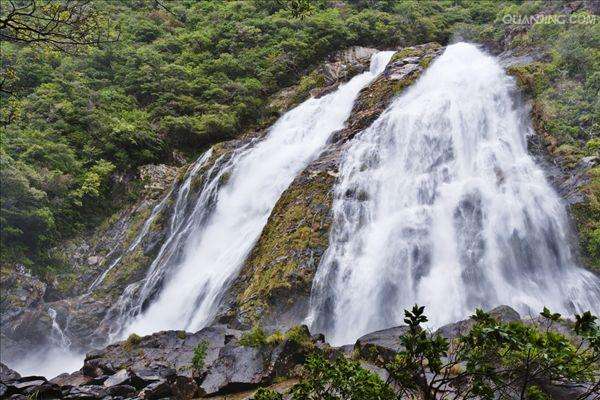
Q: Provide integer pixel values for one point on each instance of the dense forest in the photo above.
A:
(168, 79)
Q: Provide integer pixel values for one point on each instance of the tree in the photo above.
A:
(63, 24)
(494, 360)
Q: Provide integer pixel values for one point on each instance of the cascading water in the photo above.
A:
(54, 358)
(235, 202)
(438, 203)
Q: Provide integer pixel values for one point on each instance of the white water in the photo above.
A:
(137, 240)
(53, 359)
(215, 248)
(438, 203)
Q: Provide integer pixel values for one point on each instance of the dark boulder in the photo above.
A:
(381, 346)
(121, 390)
(7, 374)
(156, 390)
(185, 387)
(237, 368)
(500, 313)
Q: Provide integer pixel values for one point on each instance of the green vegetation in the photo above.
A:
(185, 75)
(199, 355)
(180, 77)
(256, 337)
(132, 341)
(493, 360)
(341, 379)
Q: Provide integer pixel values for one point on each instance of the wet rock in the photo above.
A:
(121, 377)
(501, 314)
(286, 356)
(184, 387)
(237, 368)
(91, 392)
(381, 346)
(74, 379)
(7, 374)
(46, 390)
(156, 390)
(121, 390)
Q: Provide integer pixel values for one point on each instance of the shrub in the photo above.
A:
(267, 394)
(132, 341)
(199, 355)
(275, 338)
(341, 379)
(255, 337)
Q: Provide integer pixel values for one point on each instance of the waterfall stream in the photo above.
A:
(209, 244)
(439, 203)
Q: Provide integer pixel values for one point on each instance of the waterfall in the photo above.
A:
(438, 203)
(182, 194)
(53, 358)
(185, 284)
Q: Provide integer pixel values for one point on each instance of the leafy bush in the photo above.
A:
(255, 337)
(199, 355)
(132, 341)
(267, 394)
(497, 357)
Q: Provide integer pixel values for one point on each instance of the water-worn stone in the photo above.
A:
(237, 368)
(7, 374)
(156, 390)
(381, 346)
(455, 329)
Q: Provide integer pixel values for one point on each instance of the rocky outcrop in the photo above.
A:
(24, 321)
(338, 68)
(274, 284)
(172, 364)
(7, 374)
(219, 362)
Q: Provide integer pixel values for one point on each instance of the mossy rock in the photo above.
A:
(283, 260)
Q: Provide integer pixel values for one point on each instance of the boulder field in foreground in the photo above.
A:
(230, 363)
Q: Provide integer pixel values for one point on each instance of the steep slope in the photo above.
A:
(274, 285)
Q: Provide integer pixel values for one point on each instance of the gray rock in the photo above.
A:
(237, 368)
(121, 377)
(7, 374)
(121, 390)
(500, 313)
(381, 346)
(74, 379)
(91, 392)
(156, 390)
